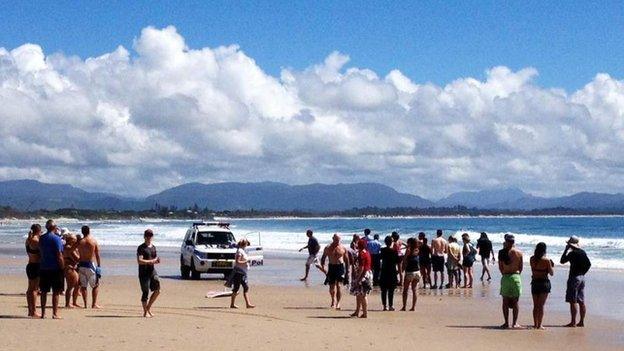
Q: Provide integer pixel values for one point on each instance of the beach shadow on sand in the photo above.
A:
(330, 317)
(112, 316)
(13, 294)
(485, 327)
(177, 277)
(8, 316)
(212, 308)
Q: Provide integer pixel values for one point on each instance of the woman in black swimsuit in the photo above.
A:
(32, 268)
(541, 268)
(424, 256)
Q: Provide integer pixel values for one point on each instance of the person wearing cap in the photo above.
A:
(510, 266)
(148, 278)
(575, 292)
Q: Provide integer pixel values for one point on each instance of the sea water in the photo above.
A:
(601, 236)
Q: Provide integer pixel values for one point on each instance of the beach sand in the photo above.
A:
(287, 318)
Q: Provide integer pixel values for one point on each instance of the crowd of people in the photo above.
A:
(366, 263)
(58, 257)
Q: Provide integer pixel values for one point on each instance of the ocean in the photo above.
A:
(601, 237)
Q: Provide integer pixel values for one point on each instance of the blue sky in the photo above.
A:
(568, 42)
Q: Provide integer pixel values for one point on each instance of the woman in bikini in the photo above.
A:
(541, 268)
(411, 267)
(71, 256)
(32, 268)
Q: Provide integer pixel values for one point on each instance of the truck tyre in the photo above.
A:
(195, 275)
(185, 271)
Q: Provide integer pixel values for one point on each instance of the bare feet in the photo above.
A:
(403, 308)
(570, 325)
(538, 328)
(354, 314)
(96, 307)
(69, 306)
(391, 309)
(54, 316)
(413, 309)
(233, 306)
(338, 308)
(517, 326)
(251, 306)
(303, 279)
(385, 308)
(504, 326)
(149, 314)
(36, 315)
(364, 315)
(76, 305)
(580, 324)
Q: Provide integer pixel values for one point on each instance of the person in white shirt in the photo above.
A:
(239, 277)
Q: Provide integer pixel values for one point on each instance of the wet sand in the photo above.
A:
(289, 315)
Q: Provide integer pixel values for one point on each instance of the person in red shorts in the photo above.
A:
(363, 282)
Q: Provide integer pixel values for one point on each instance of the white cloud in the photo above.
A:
(168, 114)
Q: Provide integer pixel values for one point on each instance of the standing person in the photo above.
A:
(424, 257)
(541, 268)
(32, 269)
(241, 266)
(398, 244)
(337, 269)
(89, 274)
(510, 266)
(575, 291)
(486, 251)
(390, 267)
(71, 256)
(439, 246)
(51, 270)
(411, 268)
(363, 280)
(313, 247)
(147, 257)
(470, 255)
(374, 248)
(453, 262)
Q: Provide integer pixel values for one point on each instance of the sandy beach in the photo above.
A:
(288, 316)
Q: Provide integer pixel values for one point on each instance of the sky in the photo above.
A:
(427, 97)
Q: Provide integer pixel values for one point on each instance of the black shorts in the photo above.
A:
(51, 280)
(239, 279)
(335, 274)
(468, 262)
(437, 263)
(150, 282)
(540, 286)
(32, 271)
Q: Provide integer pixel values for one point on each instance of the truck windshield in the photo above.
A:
(214, 238)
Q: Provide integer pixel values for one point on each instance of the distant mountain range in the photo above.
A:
(30, 195)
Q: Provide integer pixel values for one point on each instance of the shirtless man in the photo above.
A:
(439, 246)
(510, 265)
(89, 274)
(337, 269)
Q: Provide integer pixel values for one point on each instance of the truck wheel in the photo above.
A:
(195, 275)
(185, 271)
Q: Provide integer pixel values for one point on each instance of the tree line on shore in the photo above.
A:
(194, 212)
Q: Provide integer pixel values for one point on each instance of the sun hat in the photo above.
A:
(573, 241)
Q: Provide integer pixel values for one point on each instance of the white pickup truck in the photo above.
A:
(210, 247)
